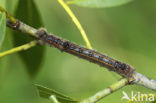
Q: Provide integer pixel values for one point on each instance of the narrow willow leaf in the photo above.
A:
(27, 12)
(2, 27)
(46, 93)
(98, 3)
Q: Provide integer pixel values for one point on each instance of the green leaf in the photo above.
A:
(98, 3)
(2, 27)
(46, 93)
(3, 2)
(28, 13)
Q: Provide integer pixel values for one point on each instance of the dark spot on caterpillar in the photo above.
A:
(66, 45)
(123, 66)
(72, 47)
(100, 58)
(57, 41)
(119, 65)
(116, 64)
(90, 54)
(49, 38)
(80, 50)
(109, 62)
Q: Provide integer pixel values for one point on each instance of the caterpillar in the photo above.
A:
(122, 69)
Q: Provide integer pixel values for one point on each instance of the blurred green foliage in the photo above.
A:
(2, 27)
(27, 12)
(126, 33)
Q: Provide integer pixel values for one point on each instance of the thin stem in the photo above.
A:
(11, 18)
(99, 95)
(77, 23)
(20, 48)
(54, 99)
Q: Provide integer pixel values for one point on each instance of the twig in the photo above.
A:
(77, 23)
(99, 95)
(144, 81)
(54, 99)
(19, 26)
(11, 18)
(20, 48)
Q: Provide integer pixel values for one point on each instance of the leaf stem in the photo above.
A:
(11, 18)
(20, 48)
(54, 99)
(99, 95)
(77, 23)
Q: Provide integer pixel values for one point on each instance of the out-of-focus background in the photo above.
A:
(127, 33)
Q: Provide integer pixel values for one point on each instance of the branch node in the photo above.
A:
(41, 33)
(130, 80)
(15, 25)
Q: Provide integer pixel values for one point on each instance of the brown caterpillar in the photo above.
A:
(91, 55)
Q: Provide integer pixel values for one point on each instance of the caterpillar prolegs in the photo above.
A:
(123, 69)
